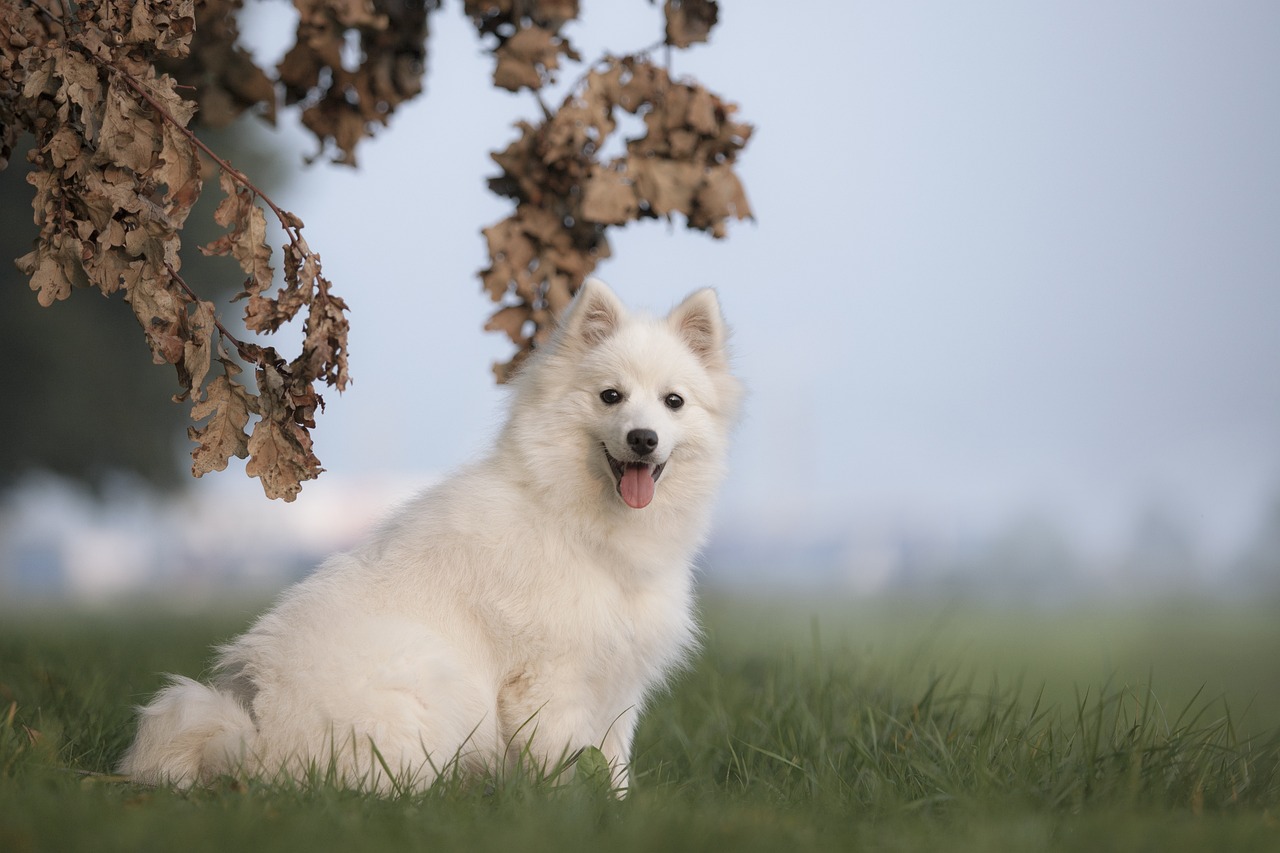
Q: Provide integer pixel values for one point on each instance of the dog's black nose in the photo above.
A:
(642, 441)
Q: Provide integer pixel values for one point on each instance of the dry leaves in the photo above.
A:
(225, 411)
(690, 21)
(566, 196)
(529, 44)
(343, 99)
(116, 174)
(225, 79)
(352, 63)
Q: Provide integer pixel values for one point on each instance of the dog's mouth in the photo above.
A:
(637, 481)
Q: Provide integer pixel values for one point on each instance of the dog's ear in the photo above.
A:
(698, 322)
(593, 315)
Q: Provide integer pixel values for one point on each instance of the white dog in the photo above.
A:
(516, 613)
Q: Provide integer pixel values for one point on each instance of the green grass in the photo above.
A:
(880, 726)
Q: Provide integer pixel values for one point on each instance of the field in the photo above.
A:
(885, 725)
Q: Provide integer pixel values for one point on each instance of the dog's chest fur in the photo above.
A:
(595, 645)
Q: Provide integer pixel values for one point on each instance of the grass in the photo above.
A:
(883, 726)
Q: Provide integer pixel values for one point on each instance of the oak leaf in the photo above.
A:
(55, 268)
(512, 320)
(162, 314)
(700, 112)
(720, 197)
(79, 86)
(528, 58)
(64, 147)
(246, 241)
(324, 349)
(278, 458)
(197, 349)
(179, 171)
(227, 407)
(689, 21)
(609, 196)
(279, 448)
(128, 138)
(666, 185)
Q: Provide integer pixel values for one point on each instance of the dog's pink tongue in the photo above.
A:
(637, 486)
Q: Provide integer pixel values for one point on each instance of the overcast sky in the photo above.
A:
(1009, 258)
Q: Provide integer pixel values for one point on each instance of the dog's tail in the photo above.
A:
(190, 733)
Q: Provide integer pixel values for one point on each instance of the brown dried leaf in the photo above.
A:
(302, 278)
(109, 193)
(553, 14)
(344, 103)
(64, 148)
(492, 16)
(161, 311)
(558, 295)
(700, 113)
(508, 242)
(721, 196)
(79, 86)
(497, 279)
(227, 406)
(55, 268)
(246, 241)
(667, 185)
(165, 25)
(512, 320)
(528, 58)
(643, 85)
(324, 350)
(280, 447)
(223, 74)
(112, 270)
(128, 130)
(689, 21)
(609, 197)
(197, 350)
(513, 73)
(179, 171)
(280, 458)
(335, 119)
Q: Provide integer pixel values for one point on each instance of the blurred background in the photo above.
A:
(1009, 315)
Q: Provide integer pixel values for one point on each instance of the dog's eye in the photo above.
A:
(674, 401)
(611, 396)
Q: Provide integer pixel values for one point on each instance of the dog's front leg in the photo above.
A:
(544, 722)
(617, 748)
(547, 744)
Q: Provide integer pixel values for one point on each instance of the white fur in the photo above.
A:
(515, 613)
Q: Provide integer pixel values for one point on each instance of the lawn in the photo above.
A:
(841, 725)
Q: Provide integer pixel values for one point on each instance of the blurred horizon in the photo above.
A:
(62, 542)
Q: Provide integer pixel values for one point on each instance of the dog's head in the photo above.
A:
(649, 400)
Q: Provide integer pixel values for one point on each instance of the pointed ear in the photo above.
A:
(594, 314)
(700, 325)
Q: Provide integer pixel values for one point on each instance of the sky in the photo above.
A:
(1008, 259)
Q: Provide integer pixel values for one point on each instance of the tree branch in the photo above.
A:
(240, 346)
(288, 221)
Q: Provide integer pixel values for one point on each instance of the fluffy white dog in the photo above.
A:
(523, 609)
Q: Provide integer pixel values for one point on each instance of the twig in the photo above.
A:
(286, 219)
(547, 113)
(222, 330)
